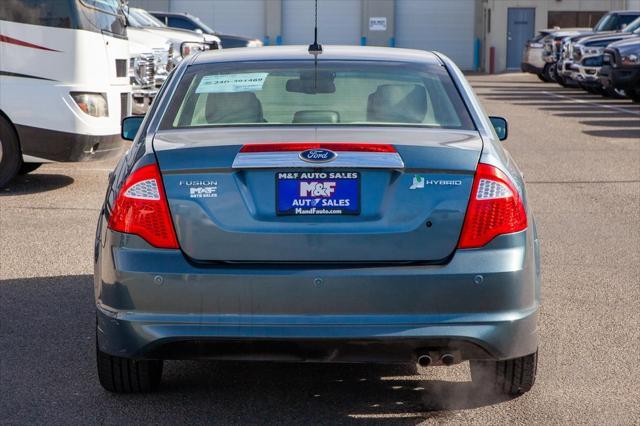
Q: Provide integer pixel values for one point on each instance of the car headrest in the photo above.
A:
(240, 107)
(398, 103)
(316, 116)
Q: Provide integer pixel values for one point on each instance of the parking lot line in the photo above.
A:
(582, 101)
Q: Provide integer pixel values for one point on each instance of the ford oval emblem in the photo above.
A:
(318, 155)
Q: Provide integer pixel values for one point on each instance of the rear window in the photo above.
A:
(307, 93)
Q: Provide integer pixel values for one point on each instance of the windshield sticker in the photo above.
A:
(232, 83)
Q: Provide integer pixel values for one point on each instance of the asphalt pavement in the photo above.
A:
(580, 155)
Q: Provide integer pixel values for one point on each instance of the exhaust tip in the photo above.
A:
(447, 359)
(424, 360)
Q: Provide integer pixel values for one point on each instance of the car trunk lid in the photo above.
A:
(225, 204)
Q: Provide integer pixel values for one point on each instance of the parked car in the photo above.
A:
(193, 23)
(355, 207)
(151, 60)
(552, 50)
(621, 67)
(532, 60)
(612, 22)
(588, 55)
(155, 51)
(563, 67)
(616, 20)
(191, 41)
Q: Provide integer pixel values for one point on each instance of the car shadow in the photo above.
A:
(591, 114)
(635, 123)
(620, 134)
(34, 183)
(47, 350)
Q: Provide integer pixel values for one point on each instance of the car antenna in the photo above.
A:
(315, 48)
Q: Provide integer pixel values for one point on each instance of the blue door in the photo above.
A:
(520, 28)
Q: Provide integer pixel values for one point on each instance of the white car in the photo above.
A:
(155, 51)
(149, 64)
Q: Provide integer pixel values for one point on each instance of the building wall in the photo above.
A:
(244, 17)
(443, 25)
(497, 38)
(160, 5)
(452, 26)
(338, 21)
(446, 25)
(377, 36)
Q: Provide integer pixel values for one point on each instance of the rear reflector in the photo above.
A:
(302, 146)
(141, 209)
(495, 208)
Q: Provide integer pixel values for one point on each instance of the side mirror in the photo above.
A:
(130, 127)
(189, 47)
(501, 126)
(199, 31)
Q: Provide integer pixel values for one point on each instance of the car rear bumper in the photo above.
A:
(529, 68)
(483, 304)
(532, 60)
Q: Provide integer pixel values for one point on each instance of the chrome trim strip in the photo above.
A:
(290, 159)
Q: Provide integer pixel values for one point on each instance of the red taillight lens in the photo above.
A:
(495, 208)
(301, 146)
(141, 208)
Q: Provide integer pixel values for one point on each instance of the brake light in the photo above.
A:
(141, 209)
(303, 146)
(495, 208)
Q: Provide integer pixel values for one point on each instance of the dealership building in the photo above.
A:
(479, 35)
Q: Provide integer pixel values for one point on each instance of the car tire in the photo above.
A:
(124, 375)
(510, 377)
(559, 78)
(548, 72)
(28, 168)
(542, 78)
(10, 155)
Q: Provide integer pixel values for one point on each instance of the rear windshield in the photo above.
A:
(308, 93)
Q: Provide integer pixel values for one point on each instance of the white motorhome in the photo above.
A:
(64, 84)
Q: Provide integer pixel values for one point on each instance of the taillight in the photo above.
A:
(495, 208)
(302, 146)
(141, 209)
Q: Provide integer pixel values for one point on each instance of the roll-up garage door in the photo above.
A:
(338, 21)
(241, 17)
(443, 25)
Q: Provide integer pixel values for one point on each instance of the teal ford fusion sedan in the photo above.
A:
(349, 205)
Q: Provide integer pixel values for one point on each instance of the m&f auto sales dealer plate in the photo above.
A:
(318, 193)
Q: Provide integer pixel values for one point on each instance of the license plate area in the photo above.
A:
(317, 193)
